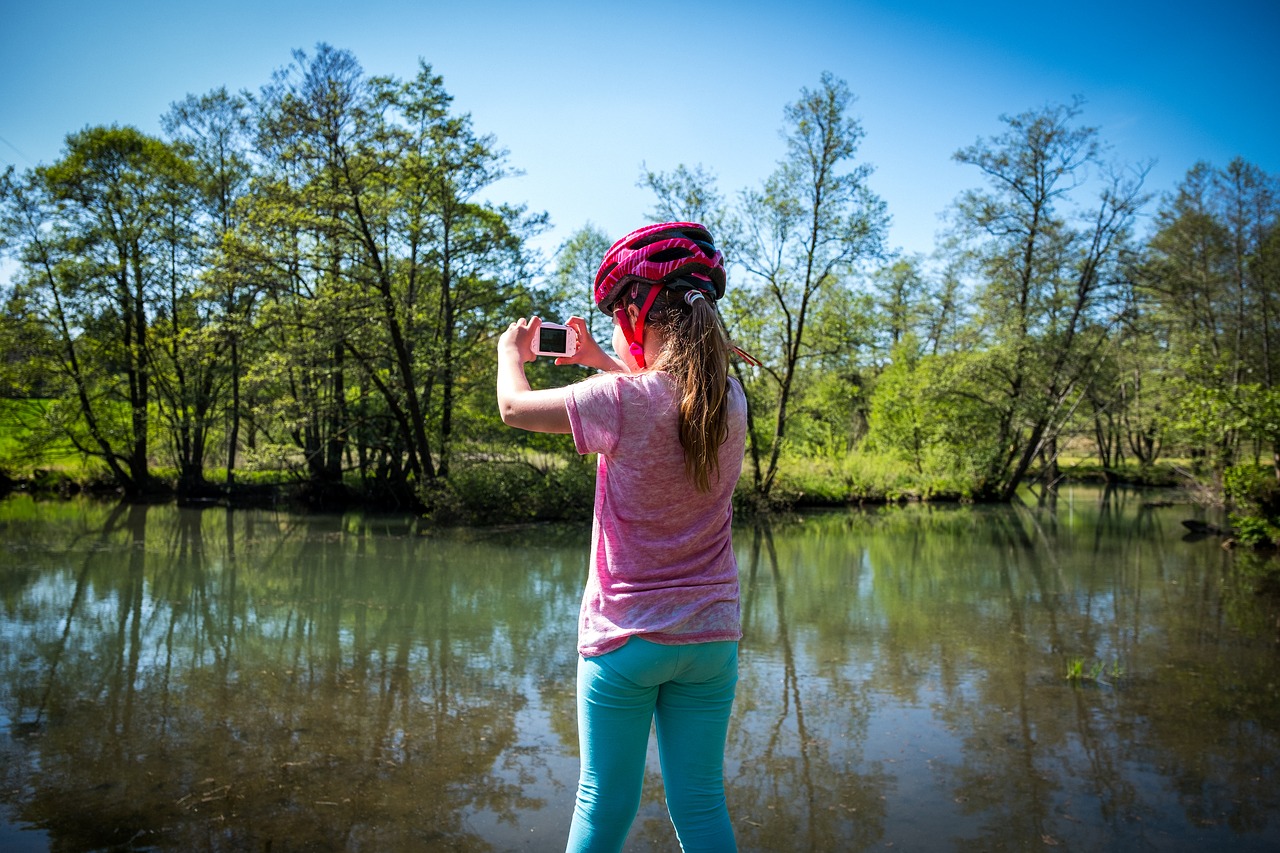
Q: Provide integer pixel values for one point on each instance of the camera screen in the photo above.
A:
(552, 340)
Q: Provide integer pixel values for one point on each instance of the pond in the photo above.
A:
(1081, 675)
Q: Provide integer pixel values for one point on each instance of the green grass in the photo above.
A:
(23, 446)
(860, 477)
(1088, 469)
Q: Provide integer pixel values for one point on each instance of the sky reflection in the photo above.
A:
(209, 681)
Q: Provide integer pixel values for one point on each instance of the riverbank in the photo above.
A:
(500, 492)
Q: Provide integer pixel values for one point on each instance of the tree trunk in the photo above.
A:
(233, 430)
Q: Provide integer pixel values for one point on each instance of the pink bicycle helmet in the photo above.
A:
(659, 253)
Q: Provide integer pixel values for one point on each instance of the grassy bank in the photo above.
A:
(1164, 473)
(29, 443)
(499, 488)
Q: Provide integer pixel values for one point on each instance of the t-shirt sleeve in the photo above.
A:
(594, 406)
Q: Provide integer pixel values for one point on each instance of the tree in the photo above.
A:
(1132, 402)
(687, 195)
(376, 201)
(94, 230)
(478, 258)
(947, 316)
(297, 233)
(319, 261)
(1211, 273)
(570, 291)
(799, 239)
(213, 130)
(28, 344)
(903, 420)
(1047, 271)
(901, 295)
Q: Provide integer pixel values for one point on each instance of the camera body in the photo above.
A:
(556, 340)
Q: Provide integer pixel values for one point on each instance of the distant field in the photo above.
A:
(19, 421)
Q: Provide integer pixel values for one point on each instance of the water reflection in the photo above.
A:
(180, 680)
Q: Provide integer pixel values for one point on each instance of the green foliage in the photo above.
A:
(513, 491)
(101, 238)
(1209, 279)
(829, 416)
(30, 439)
(307, 283)
(799, 238)
(927, 412)
(861, 477)
(1253, 491)
(901, 421)
(27, 347)
(570, 289)
(1098, 672)
(906, 311)
(1255, 531)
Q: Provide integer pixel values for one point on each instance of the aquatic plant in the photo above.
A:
(1098, 671)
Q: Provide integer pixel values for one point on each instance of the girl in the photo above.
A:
(660, 622)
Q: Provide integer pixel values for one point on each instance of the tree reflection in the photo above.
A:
(799, 721)
(974, 613)
(321, 700)
(221, 681)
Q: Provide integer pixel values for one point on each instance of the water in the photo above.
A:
(182, 680)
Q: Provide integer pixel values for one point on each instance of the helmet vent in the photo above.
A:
(675, 253)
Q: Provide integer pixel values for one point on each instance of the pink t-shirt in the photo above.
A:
(662, 559)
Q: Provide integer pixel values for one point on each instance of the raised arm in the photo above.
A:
(518, 403)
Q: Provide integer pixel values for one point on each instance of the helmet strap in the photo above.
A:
(635, 337)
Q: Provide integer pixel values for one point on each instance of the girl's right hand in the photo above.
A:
(519, 337)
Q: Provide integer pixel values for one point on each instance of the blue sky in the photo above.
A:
(582, 94)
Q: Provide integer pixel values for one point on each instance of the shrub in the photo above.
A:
(1253, 494)
(497, 492)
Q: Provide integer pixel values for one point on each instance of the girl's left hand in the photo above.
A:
(589, 353)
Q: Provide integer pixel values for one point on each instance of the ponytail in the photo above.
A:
(696, 353)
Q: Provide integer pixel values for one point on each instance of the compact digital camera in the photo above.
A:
(555, 339)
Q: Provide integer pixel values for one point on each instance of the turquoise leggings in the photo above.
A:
(687, 691)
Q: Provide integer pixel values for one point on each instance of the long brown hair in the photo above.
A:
(696, 353)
